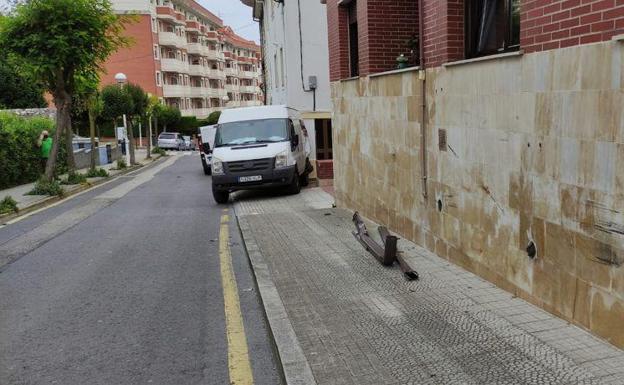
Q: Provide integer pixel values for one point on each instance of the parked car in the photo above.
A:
(206, 138)
(171, 141)
(188, 143)
(258, 147)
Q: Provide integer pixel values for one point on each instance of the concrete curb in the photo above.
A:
(53, 199)
(295, 366)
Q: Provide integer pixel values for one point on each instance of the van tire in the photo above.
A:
(305, 179)
(221, 197)
(207, 169)
(295, 185)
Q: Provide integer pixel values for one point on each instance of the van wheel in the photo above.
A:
(295, 185)
(221, 197)
(305, 179)
(207, 170)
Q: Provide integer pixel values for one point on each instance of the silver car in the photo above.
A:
(171, 141)
(189, 145)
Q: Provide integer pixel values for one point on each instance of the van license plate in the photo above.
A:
(253, 178)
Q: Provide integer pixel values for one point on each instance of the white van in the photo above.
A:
(258, 147)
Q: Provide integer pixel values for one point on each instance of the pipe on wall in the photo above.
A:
(423, 98)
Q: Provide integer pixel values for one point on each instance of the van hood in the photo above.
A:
(251, 151)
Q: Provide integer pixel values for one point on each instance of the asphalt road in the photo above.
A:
(122, 285)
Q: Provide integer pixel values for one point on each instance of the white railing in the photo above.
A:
(175, 91)
(173, 65)
(197, 70)
(171, 39)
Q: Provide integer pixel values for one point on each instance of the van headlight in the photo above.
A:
(281, 160)
(217, 166)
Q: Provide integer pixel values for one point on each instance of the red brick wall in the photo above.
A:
(338, 36)
(384, 27)
(136, 61)
(325, 169)
(389, 25)
(550, 24)
(444, 31)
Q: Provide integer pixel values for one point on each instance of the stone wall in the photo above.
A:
(534, 154)
(34, 112)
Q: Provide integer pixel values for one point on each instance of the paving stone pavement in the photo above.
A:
(358, 322)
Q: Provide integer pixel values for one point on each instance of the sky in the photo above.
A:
(236, 15)
(233, 12)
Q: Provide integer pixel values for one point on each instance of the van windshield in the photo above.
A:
(252, 131)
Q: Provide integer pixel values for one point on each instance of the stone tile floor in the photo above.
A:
(358, 322)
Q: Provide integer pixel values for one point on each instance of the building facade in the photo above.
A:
(182, 53)
(296, 57)
(501, 149)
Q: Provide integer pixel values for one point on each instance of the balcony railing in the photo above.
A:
(175, 91)
(174, 65)
(171, 39)
(197, 70)
(247, 74)
(248, 89)
(198, 92)
(195, 48)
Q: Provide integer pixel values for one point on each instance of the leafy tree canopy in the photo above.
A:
(168, 116)
(116, 102)
(18, 90)
(213, 118)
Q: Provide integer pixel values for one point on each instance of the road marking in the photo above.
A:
(238, 354)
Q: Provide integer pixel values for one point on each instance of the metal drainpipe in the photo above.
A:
(423, 77)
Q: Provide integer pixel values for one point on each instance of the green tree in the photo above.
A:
(56, 40)
(18, 90)
(87, 100)
(168, 116)
(116, 102)
(150, 115)
(135, 112)
(213, 118)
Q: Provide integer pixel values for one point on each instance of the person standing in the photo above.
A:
(45, 143)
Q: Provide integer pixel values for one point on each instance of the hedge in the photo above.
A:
(19, 154)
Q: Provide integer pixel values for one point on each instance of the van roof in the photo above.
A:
(254, 113)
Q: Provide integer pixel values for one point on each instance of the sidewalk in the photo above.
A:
(26, 202)
(339, 317)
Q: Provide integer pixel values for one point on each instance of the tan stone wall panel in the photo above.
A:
(535, 153)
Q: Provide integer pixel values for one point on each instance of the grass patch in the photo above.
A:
(121, 164)
(97, 173)
(160, 151)
(75, 178)
(8, 205)
(46, 187)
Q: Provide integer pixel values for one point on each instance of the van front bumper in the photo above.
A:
(270, 178)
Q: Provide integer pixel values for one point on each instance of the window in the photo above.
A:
(156, 52)
(158, 79)
(282, 69)
(154, 25)
(354, 60)
(492, 26)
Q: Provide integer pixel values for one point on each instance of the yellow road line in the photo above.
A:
(238, 353)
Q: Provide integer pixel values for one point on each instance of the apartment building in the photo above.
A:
(500, 147)
(187, 57)
(296, 58)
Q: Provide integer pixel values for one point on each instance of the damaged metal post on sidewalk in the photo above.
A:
(385, 254)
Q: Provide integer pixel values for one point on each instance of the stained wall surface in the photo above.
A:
(534, 153)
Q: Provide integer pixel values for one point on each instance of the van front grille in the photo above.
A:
(246, 166)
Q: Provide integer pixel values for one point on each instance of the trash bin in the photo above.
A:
(103, 153)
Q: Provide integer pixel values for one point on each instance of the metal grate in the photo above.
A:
(442, 144)
(250, 165)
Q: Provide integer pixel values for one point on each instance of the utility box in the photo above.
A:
(103, 156)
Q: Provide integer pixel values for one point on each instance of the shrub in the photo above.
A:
(97, 173)
(19, 154)
(213, 118)
(158, 150)
(8, 205)
(45, 187)
(75, 178)
(121, 163)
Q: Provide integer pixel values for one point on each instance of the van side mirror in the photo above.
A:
(294, 142)
(206, 148)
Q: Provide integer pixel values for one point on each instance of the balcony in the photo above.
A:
(250, 103)
(166, 13)
(171, 39)
(210, 53)
(198, 92)
(232, 88)
(248, 89)
(187, 112)
(215, 74)
(195, 48)
(231, 72)
(247, 74)
(197, 70)
(174, 65)
(192, 26)
(212, 35)
(175, 91)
